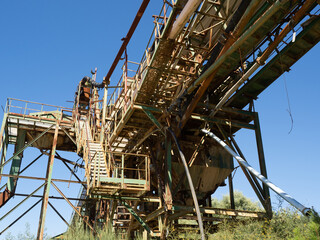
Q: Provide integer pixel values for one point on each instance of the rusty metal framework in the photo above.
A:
(147, 163)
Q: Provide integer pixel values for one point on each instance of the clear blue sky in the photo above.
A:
(46, 47)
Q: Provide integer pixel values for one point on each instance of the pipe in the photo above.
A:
(193, 192)
(92, 82)
(306, 211)
(104, 113)
(183, 18)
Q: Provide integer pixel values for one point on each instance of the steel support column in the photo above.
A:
(104, 113)
(168, 171)
(48, 183)
(16, 162)
(262, 163)
(231, 192)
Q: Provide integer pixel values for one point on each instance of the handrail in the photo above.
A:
(120, 100)
(29, 108)
(91, 156)
(44, 104)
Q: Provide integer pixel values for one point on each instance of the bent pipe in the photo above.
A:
(304, 210)
(93, 83)
(193, 192)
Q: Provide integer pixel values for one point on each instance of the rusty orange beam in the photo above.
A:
(126, 40)
(48, 183)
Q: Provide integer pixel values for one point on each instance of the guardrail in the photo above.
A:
(128, 85)
(137, 175)
(24, 107)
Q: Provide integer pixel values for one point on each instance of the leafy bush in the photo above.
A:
(241, 202)
(285, 224)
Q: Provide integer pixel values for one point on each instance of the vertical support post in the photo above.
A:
(45, 198)
(99, 159)
(160, 222)
(262, 163)
(145, 235)
(125, 80)
(168, 169)
(104, 113)
(122, 171)
(231, 192)
(113, 209)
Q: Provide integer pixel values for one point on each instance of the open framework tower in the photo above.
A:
(163, 143)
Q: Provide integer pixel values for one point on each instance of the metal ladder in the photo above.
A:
(96, 156)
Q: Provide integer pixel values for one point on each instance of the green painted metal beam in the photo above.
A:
(129, 198)
(168, 168)
(263, 167)
(16, 161)
(149, 108)
(137, 217)
(2, 131)
(153, 119)
(125, 180)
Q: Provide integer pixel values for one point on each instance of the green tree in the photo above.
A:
(241, 202)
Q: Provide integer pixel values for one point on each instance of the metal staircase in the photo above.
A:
(107, 172)
(93, 155)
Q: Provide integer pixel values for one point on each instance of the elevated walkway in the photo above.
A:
(30, 124)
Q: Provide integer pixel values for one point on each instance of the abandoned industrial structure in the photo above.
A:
(159, 147)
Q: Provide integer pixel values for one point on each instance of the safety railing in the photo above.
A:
(96, 168)
(95, 114)
(94, 160)
(123, 96)
(40, 110)
(127, 171)
(127, 87)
